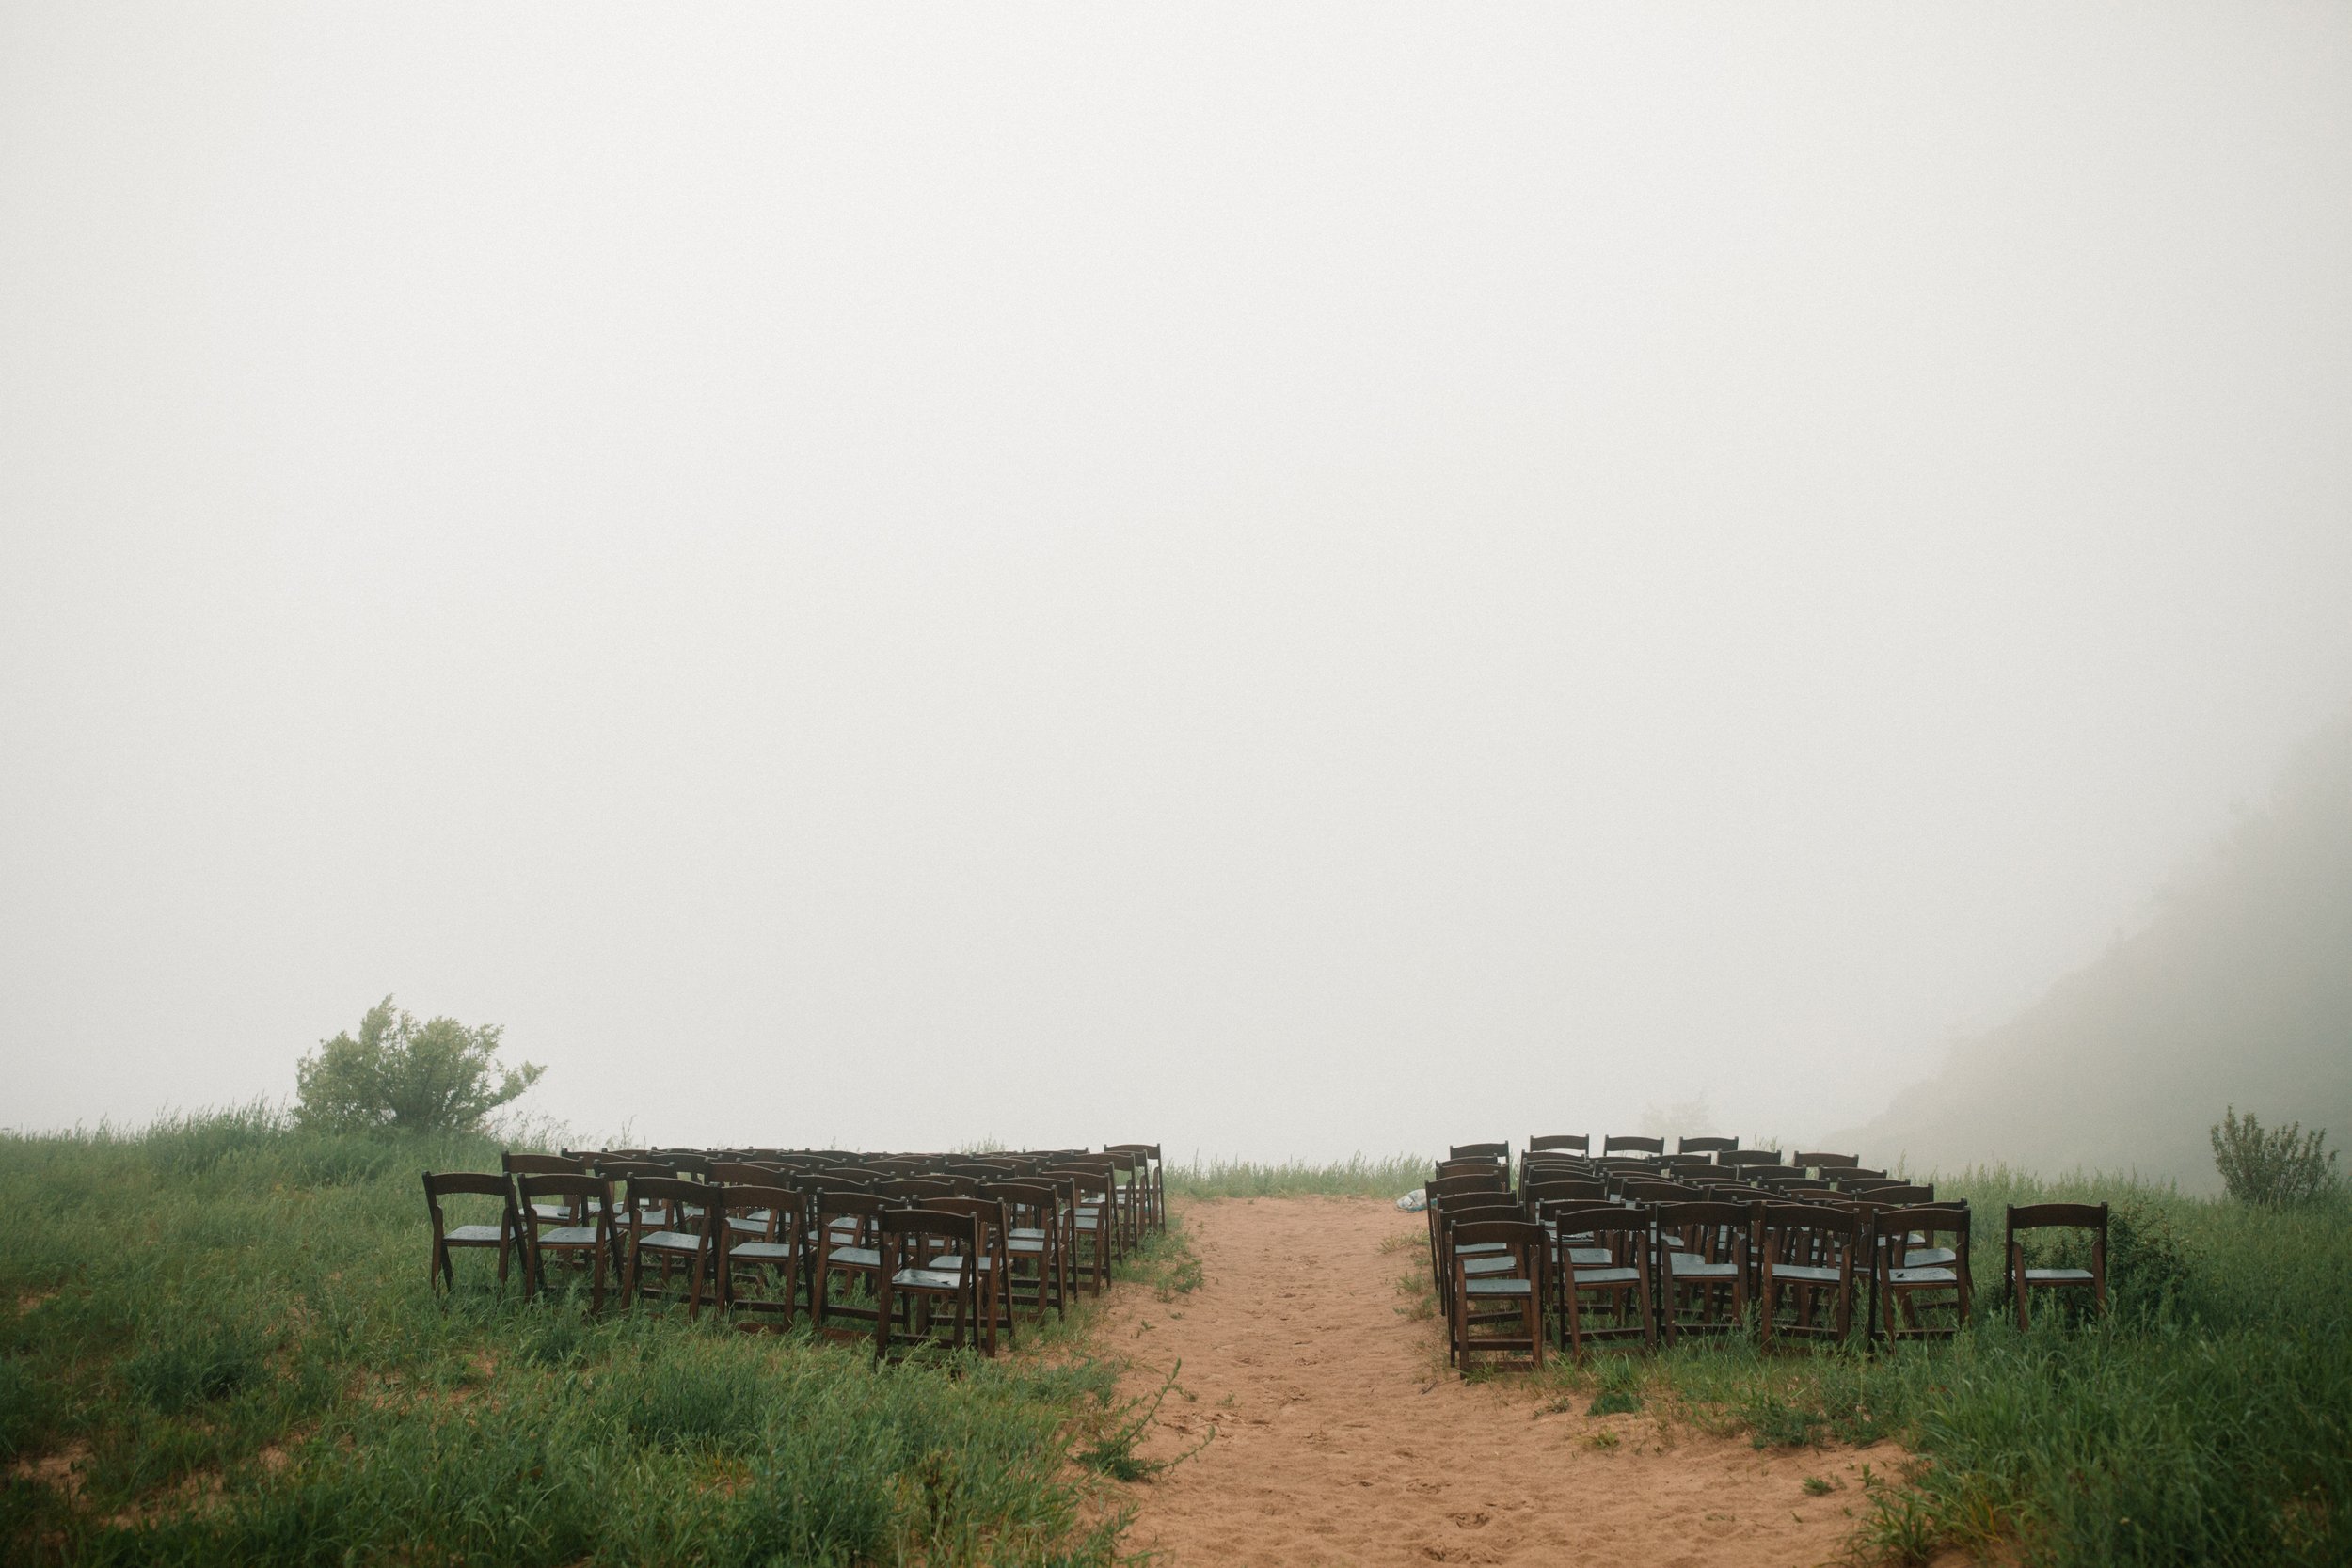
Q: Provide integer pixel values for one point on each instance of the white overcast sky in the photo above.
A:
(1281, 579)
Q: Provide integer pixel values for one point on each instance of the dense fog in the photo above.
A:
(1284, 580)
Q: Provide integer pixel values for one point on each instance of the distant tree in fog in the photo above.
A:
(438, 1076)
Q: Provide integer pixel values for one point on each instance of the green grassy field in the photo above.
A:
(217, 1346)
(2207, 1421)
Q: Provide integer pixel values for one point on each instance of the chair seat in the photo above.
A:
(568, 1235)
(1922, 1277)
(1929, 1257)
(927, 1279)
(2057, 1276)
(1473, 1248)
(1492, 1263)
(1591, 1257)
(1493, 1287)
(1086, 1223)
(1690, 1265)
(855, 1257)
(552, 1210)
(1807, 1274)
(1021, 1246)
(492, 1233)
(755, 1224)
(1608, 1276)
(1026, 1233)
(671, 1240)
(761, 1252)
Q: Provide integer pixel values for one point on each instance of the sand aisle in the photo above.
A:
(1342, 1438)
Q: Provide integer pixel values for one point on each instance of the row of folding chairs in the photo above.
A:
(1587, 1249)
(903, 1247)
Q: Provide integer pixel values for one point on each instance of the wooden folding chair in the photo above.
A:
(1702, 1249)
(1510, 1298)
(1629, 1145)
(913, 1241)
(1708, 1144)
(590, 1196)
(761, 1232)
(502, 1235)
(2023, 1281)
(666, 1219)
(1809, 1256)
(846, 1251)
(1033, 1235)
(1611, 1262)
(1913, 1268)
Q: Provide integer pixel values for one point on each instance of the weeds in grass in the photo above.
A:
(1114, 1452)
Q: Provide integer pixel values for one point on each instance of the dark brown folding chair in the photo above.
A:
(1611, 1265)
(1920, 1261)
(502, 1235)
(1700, 1264)
(1093, 1222)
(1808, 1258)
(1631, 1145)
(1033, 1233)
(1481, 1257)
(1509, 1299)
(1567, 1142)
(1816, 1160)
(929, 1257)
(666, 1219)
(590, 1196)
(1708, 1144)
(847, 1252)
(1496, 1151)
(761, 1234)
(1151, 1174)
(2023, 1280)
(1747, 1157)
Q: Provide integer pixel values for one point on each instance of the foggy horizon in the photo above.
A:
(1282, 584)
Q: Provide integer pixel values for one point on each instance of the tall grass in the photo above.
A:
(217, 1333)
(2207, 1420)
(1357, 1176)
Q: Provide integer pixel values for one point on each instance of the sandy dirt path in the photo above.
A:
(1341, 1437)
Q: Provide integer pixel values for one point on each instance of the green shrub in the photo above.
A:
(2284, 1165)
(438, 1076)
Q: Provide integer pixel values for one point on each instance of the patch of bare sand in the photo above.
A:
(1342, 1438)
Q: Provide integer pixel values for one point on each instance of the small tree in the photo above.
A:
(434, 1077)
(2284, 1165)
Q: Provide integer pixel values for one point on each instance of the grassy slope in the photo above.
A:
(2209, 1421)
(2238, 991)
(219, 1334)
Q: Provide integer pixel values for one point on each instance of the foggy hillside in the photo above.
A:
(2237, 992)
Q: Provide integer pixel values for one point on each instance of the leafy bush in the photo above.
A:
(434, 1077)
(2284, 1165)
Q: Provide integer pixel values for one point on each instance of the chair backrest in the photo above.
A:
(1748, 1157)
(1925, 1219)
(912, 1190)
(1732, 1219)
(1578, 1143)
(1775, 1219)
(669, 1194)
(2053, 1216)
(1036, 1202)
(898, 1225)
(1627, 1143)
(1526, 1239)
(1572, 1218)
(1638, 1189)
(1707, 1144)
(1890, 1193)
(1487, 1181)
(1825, 1161)
(473, 1183)
(624, 1170)
(1479, 1152)
(563, 1184)
(739, 1172)
(1582, 1189)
